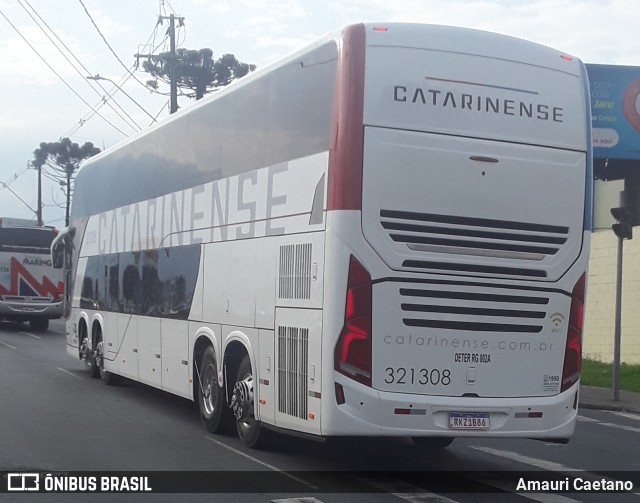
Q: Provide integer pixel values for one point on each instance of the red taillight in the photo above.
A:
(573, 348)
(352, 355)
(566, 58)
(60, 289)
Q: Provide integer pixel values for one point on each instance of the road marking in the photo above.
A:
(30, 335)
(521, 458)
(585, 419)
(539, 463)
(620, 426)
(624, 427)
(628, 415)
(541, 497)
(306, 499)
(8, 345)
(542, 463)
(67, 372)
(404, 490)
(266, 465)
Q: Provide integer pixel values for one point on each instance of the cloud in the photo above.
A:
(279, 9)
(20, 63)
(213, 7)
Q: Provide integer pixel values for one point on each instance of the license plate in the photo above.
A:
(468, 421)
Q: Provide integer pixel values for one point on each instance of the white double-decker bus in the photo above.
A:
(385, 234)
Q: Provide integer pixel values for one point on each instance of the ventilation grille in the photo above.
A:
(476, 311)
(479, 237)
(294, 281)
(293, 345)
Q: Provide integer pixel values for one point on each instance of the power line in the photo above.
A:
(15, 177)
(109, 45)
(121, 82)
(55, 72)
(135, 126)
(163, 107)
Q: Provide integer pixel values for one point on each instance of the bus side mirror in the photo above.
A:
(61, 245)
(57, 254)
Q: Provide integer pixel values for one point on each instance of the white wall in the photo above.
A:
(600, 305)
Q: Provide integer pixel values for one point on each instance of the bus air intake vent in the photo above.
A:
(483, 238)
(293, 358)
(476, 311)
(294, 278)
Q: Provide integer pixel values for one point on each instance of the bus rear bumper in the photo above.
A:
(370, 412)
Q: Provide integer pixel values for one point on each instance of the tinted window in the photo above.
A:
(130, 293)
(88, 295)
(151, 287)
(148, 283)
(178, 273)
(112, 283)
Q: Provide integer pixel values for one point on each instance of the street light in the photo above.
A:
(98, 77)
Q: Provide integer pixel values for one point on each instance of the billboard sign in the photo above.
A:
(615, 111)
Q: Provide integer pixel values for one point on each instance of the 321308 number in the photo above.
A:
(401, 375)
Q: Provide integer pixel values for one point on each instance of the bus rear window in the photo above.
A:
(25, 240)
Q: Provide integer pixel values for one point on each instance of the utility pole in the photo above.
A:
(171, 58)
(172, 65)
(39, 208)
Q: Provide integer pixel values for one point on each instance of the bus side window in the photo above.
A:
(88, 294)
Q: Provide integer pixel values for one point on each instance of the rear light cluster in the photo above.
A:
(60, 290)
(573, 348)
(352, 355)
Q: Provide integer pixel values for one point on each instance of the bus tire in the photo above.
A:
(210, 395)
(39, 324)
(249, 428)
(435, 443)
(99, 370)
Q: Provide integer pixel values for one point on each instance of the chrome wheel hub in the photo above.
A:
(242, 399)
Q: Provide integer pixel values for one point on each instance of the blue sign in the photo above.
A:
(615, 111)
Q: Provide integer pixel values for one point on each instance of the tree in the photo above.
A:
(64, 158)
(197, 71)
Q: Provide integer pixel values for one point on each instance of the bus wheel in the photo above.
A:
(86, 355)
(210, 395)
(248, 427)
(435, 443)
(39, 324)
(99, 370)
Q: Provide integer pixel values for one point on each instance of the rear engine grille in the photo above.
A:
(472, 311)
(471, 236)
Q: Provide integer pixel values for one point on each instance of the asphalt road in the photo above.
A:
(55, 418)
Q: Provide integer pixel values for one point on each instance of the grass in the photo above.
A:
(600, 374)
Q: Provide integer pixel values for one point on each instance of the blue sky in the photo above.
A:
(37, 105)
